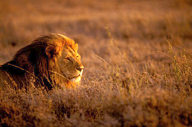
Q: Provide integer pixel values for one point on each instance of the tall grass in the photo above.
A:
(154, 97)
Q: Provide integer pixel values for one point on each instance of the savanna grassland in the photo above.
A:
(137, 56)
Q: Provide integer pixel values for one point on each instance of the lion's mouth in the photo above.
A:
(74, 77)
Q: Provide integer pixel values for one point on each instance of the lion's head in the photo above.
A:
(52, 59)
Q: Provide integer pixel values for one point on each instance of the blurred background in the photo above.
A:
(93, 24)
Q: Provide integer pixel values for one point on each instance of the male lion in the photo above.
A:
(48, 61)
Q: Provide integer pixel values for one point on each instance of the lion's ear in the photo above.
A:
(52, 51)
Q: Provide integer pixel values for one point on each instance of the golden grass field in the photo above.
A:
(137, 56)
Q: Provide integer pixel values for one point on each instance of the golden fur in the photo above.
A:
(49, 61)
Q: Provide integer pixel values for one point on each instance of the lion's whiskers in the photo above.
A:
(61, 75)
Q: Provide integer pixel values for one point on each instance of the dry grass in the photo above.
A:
(137, 58)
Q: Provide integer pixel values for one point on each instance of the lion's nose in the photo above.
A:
(80, 68)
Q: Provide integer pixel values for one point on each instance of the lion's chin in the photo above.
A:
(76, 79)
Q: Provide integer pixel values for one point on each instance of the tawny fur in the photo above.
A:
(48, 61)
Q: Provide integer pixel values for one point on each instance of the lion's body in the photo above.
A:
(49, 61)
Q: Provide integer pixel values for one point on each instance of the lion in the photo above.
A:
(49, 61)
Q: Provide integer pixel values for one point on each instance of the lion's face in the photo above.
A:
(64, 65)
(70, 64)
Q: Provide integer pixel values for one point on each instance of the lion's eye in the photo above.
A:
(68, 58)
